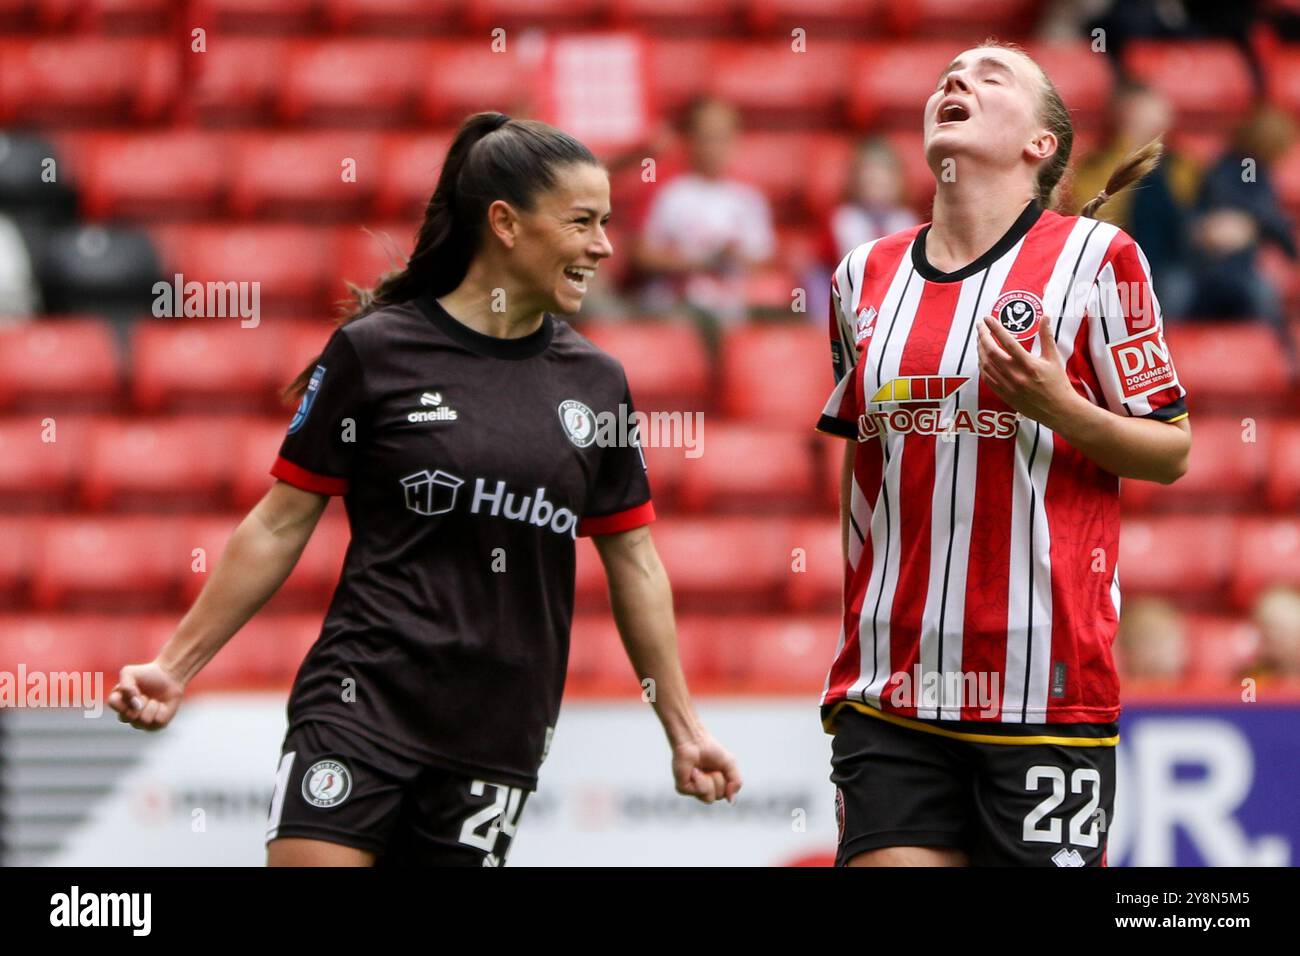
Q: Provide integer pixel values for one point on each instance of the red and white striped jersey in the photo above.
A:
(982, 580)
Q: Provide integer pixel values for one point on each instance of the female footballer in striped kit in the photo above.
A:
(998, 370)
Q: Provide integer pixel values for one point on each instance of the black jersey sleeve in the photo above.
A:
(619, 500)
(318, 450)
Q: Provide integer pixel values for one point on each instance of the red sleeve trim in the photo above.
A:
(300, 477)
(642, 514)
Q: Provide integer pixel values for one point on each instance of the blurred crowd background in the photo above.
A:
(751, 143)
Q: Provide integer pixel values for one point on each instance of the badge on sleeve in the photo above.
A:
(308, 397)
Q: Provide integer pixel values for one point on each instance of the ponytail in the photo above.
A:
(1135, 165)
(517, 160)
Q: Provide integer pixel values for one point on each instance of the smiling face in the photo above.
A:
(560, 242)
(986, 105)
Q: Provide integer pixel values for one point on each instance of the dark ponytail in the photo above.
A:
(492, 157)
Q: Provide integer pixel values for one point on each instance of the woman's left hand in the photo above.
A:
(702, 768)
(1034, 385)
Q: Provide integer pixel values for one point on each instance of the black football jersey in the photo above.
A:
(468, 465)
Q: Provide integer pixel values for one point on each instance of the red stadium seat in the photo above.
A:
(665, 467)
(124, 16)
(1267, 553)
(119, 563)
(961, 20)
(1083, 78)
(367, 253)
(1207, 82)
(820, 584)
(1257, 373)
(676, 18)
(679, 70)
(235, 16)
(239, 79)
(777, 164)
(598, 664)
(466, 76)
(1284, 467)
(1226, 472)
(1176, 555)
(590, 591)
(750, 391)
(891, 82)
(203, 364)
(114, 80)
(1219, 648)
(750, 468)
(820, 18)
(918, 178)
(665, 359)
(36, 472)
(312, 581)
(73, 644)
(773, 84)
(303, 342)
(290, 263)
(773, 655)
(263, 654)
(392, 17)
(304, 176)
(830, 462)
(171, 175)
(257, 441)
(826, 174)
(771, 290)
(17, 558)
(21, 16)
(158, 464)
(484, 15)
(59, 363)
(725, 563)
(1282, 74)
(410, 167)
(352, 82)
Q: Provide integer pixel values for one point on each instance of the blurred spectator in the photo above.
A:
(1238, 209)
(705, 232)
(19, 295)
(1152, 640)
(874, 204)
(1277, 615)
(1155, 211)
(1127, 20)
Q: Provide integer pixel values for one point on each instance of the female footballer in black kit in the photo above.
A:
(459, 420)
(999, 370)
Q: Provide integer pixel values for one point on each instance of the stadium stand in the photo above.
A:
(127, 461)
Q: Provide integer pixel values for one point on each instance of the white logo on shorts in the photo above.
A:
(326, 783)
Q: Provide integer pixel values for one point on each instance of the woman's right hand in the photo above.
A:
(146, 696)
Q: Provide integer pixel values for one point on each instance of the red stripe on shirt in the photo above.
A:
(642, 514)
(300, 477)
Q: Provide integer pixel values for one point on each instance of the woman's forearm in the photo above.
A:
(255, 562)
(1141, 448)
(641, 598)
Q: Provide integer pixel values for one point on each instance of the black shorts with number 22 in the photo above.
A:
(1044, 797)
